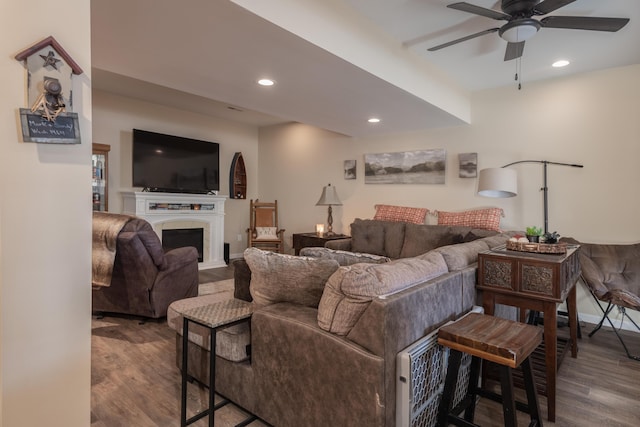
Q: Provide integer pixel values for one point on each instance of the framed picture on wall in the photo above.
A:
(349, 169)
(468, 165)
(407, 167)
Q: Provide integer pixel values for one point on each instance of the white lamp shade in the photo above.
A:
(498, 182)
(329, 197)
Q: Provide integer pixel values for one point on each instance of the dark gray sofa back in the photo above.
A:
(406, 240)
(377, 237)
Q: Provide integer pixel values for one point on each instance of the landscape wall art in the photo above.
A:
(407, 167)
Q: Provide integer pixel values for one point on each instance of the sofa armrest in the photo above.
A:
(339, 244)
(177, 280)
(178, 258)
(241, 280)
(301, 364)
(180, 261)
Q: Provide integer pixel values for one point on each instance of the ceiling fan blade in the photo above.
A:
(548, 6)
(472, 36)
(584, 23)
(514, 51)
(477, 10)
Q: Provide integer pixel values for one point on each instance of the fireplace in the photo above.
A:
(177, 211)
(181, 237)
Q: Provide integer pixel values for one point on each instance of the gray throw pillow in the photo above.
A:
(286, 278)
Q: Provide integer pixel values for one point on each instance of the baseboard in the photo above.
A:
(594, 319)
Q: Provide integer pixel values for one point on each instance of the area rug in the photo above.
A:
(222, 286)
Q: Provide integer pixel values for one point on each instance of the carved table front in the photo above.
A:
(536, 282)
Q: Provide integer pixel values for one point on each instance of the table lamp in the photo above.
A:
(329, 198)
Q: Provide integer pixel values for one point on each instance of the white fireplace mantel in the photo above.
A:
(178, 210)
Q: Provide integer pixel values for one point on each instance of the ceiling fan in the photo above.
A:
(521, 25)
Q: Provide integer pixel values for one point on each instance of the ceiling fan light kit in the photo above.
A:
(521, 25)
(519, 30)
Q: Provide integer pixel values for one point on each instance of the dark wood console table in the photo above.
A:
(536, 282)
(306, 240)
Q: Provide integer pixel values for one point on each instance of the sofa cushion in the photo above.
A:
(462, 255)
(367, 237)
(149, 238)
(377, 237)
(351, 288)
(478, 233)
(286, 278)
(488, 218)
(400, 214)
(343, 257)
(420, 239)
(499, 239)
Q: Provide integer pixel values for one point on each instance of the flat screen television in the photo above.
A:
(174, 164)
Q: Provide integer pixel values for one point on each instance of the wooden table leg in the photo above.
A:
(572, 314)
(488, 303)
(185, 375)
(551, 356)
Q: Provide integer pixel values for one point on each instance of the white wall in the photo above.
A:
(45, 233)
(589, 119)
(115, 116)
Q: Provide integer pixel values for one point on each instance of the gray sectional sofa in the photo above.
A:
(401, 239)
(326, 354)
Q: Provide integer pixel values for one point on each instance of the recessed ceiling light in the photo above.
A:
(266, 82)
(561, 63)
(374, 120)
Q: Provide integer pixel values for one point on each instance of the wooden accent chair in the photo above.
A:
(263, 230)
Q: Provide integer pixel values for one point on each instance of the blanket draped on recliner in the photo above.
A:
(106, 227)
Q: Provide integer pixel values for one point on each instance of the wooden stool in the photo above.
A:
(497, 340)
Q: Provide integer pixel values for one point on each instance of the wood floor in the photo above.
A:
(135, 382)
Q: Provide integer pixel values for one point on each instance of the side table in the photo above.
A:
(536, 282)
(305, 240)
(214, 316)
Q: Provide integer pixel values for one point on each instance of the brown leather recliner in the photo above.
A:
(146, 280)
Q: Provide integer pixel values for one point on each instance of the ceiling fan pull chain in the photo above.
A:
(519, 72)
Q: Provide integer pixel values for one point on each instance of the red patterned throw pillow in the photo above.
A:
(400, 214)
(488, 219)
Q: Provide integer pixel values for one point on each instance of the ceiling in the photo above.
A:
(336, 62)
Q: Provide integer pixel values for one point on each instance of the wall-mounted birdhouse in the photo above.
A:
(49, 71)
(46, 63)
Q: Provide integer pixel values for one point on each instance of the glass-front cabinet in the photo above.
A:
(100, 175)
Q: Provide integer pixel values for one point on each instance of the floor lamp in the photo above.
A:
(503, 182)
